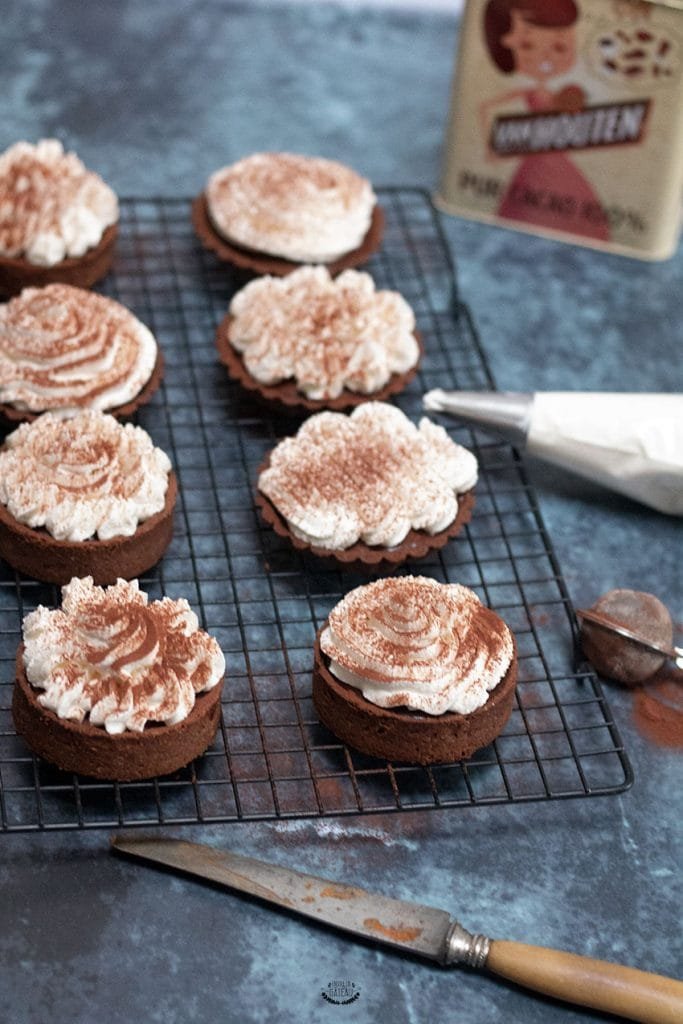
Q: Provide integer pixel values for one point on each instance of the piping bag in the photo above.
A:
(631, 443)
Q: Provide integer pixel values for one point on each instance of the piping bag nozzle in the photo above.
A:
(507, 413)
(631, 443)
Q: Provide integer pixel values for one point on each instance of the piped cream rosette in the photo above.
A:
(112, 658)
(86, 476)
(64, 348)
(51, 206)
(415, 643)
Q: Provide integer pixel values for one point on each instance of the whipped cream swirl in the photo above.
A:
(88, 476)
(111, 658)
(371, 476)
(300, 208)
(326, 333)
(412, 642)
(64, 348)
(51, 206)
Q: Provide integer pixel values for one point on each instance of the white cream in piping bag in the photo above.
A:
(631, 443)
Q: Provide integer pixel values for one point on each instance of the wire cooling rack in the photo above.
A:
(263, 601)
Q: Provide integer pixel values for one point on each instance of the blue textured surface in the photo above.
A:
(156, 96)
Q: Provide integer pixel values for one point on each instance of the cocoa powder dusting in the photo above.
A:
(57, 470)
(68, 463)
(360, 462)
(25, 191)
(113, 631)
(284, 178)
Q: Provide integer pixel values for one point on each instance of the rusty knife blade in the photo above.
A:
(411, 927)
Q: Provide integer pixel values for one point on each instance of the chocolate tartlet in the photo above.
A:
(369, 490)
(397, 655)
(63, 349)
(309, 342)
(272, 212)
(85, 496)
(58, 220)
(130, 690)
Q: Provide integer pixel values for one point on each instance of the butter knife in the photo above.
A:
(423, 931)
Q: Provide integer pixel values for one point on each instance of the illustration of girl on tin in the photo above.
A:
(536, 39)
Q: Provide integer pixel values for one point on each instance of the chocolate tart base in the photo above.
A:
(404, 735)
(80, 271)
(36, 553)
(287, 397)
(416, 544)
(12, 415)
(90, 750)
(262, 262)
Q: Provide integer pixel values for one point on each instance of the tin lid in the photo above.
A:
(676, 4)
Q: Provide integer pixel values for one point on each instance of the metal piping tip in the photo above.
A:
(507, 413)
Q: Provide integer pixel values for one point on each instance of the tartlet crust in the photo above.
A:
(404, 735)
(83, 271)
(125, 757)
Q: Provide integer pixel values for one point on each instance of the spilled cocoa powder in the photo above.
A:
(658, 708)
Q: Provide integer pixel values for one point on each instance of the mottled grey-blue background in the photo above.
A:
(155, 96)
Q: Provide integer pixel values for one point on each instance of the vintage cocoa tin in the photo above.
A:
(566, 120)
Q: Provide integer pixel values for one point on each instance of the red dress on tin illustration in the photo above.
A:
(549, 191)
(536, 39)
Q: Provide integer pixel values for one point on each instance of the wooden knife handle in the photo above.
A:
(636, 995)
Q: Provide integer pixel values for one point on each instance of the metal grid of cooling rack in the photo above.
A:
(263, 601)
